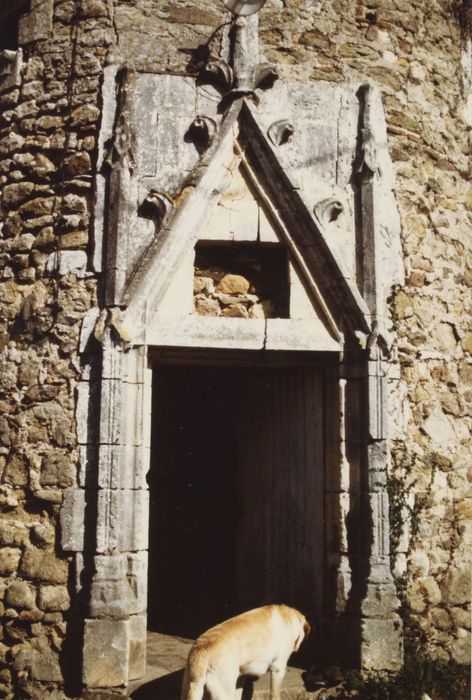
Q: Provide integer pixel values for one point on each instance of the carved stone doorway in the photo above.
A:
(238, 456)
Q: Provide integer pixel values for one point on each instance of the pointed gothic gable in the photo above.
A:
(239, 217)
(245, 177)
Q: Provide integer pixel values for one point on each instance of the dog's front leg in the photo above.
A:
(276, 678)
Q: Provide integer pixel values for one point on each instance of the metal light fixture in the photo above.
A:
(243, 8)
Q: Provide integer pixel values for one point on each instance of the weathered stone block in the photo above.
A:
(460, 648)
(43, 566)
(39, 660)
(111, 593)
(13, 533)
(37, 23)
(137, 646)
(106, 653)
(20, 594)
(16, 471)
(111, 599)
(53, 598)
(77, 164)
(16, 193)
(381, 644)
(42, 534)
(461, 617)
(122, 520)
(9, 560)
(137, 577)
(85, 114)
(10, 69)
(457, 586)
(72, 518)
(58, 471)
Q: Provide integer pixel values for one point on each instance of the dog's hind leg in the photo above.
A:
(218, 689)
(276, 678)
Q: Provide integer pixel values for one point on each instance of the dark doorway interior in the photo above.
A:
(236, 485)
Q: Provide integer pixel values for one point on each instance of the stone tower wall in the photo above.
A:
(49, 119)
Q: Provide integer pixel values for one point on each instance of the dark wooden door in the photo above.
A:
(236, 493)
(280, 546)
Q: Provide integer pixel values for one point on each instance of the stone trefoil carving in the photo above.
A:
(280, 132)
(201, 132)
(218, 72)
(328, 210)
(155, 207)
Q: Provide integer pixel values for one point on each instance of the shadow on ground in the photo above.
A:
(163, 688)
(169, 687)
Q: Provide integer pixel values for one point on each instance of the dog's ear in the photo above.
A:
(303, 635)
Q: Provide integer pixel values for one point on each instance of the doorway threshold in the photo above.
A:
(166, 659)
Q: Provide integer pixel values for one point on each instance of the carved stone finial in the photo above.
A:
(328, 210)
(368, 164)
(280, 132)
(121, 148)
(201, 132)
(155, 207)
(246, 73)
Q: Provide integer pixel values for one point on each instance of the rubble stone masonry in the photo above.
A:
(419, 55)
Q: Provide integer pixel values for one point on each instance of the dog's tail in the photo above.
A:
(193, 685)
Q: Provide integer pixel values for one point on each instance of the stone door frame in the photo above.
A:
(115, 501)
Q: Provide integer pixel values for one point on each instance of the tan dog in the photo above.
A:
(250, 644)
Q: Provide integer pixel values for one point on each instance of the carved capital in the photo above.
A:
(280, 132)
(379, 342)
(111, 319)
